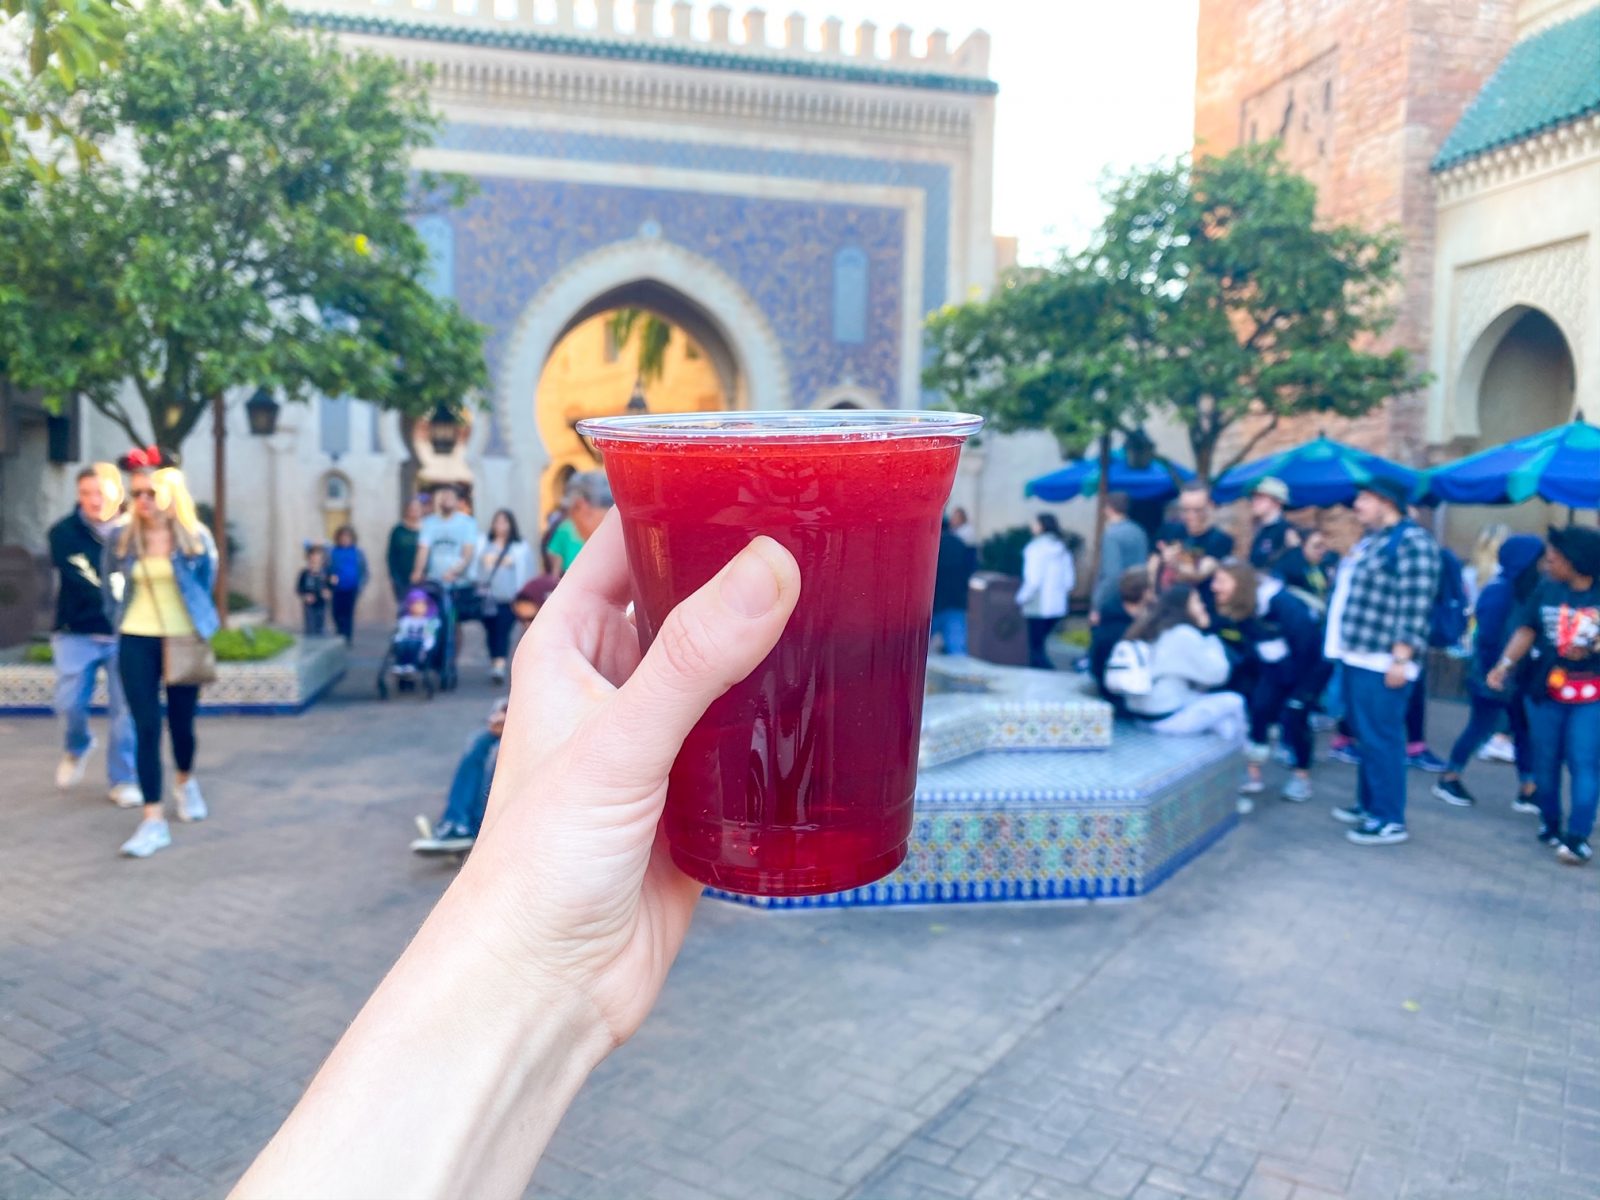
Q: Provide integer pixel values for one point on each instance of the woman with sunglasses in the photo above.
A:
(157, 578)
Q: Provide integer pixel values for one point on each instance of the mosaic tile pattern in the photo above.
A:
(279, 687)
(1005, 826)
(976, 706)
(516, 234)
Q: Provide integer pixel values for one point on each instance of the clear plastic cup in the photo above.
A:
(800, 779)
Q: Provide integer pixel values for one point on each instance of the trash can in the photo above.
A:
(996, 631)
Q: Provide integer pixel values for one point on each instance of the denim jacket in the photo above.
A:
(194, 575)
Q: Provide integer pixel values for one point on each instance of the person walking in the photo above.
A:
(447, 543)
(1378, 623)
(1558, 635)
(1274, 536)
(312, 588)
(83, 639)
(156, 580)
(504, 564)
(1122, 545)
(1498, 601)
(1047, 579)
(951, 577)
(401, 555)
(347, 575)
(588, 499)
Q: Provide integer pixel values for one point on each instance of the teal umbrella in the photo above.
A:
(1561, 465)
(1320, 473)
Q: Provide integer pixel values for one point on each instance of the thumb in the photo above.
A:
(708, 643)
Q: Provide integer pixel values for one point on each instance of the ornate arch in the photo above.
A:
(763, 372)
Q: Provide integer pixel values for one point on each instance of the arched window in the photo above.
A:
(850, 295)
(335, 502)
(439, 236)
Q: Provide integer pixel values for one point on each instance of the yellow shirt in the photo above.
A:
(155, 609)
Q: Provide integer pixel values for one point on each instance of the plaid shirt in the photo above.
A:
(1391, 591)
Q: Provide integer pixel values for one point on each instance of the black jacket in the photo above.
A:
(75, 550)
(957, 562)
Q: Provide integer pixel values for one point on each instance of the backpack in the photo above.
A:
(1447, 622)
(1128, 669)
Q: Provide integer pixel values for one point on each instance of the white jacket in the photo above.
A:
(1184, 665)
(1047, 577)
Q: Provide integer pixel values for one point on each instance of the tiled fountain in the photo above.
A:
(1027, 791)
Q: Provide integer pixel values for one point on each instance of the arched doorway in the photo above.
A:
(1518, 379)
(639, 347)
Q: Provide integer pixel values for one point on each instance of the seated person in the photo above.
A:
(1185, 664)
(458, 828)
(1116, 618)
(416, 633)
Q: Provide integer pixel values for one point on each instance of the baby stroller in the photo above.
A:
(437, 669)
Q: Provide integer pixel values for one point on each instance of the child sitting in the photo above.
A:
(416, 633)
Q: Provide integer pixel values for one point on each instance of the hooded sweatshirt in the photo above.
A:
(1047, 577)
(1498, 600)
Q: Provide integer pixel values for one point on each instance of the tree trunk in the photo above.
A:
(219, 501)
(1100, 516)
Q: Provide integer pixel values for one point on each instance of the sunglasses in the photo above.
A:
(142, 493)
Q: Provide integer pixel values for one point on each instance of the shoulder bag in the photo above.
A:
(187, 659)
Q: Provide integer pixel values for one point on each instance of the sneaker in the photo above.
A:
(147, 839)
(1574, 852)
(1244, 806)
(1373, 832)
(69, 771)
(1427, 760)
(423, 827)
(1453, 791)
(1348, 753)
(1297, 790)
(1523, 804)
(447, 839)
(126, 795)
(191, 804)
(1499, 748)
(1548, 836)
(1252, 787)
(497, 674)
(1351, 814)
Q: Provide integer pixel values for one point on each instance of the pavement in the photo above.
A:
(1289, 1016)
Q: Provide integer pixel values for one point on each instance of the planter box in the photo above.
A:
(281, 686)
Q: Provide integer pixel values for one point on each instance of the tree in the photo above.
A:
(251, 227)
(1251, 312)
(654, 337)
(64, 41)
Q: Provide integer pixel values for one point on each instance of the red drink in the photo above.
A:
(800, 779)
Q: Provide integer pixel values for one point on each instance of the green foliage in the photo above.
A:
(254, 643)
(1077, 637)
(1002, 551)
(655, 335)
(260, 234)
(64, 43)
(38, 653)
(238, 602)
(1210, 295)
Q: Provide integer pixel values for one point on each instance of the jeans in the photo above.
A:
(1481, 726)
(344, 613)
(1566, 734)
(1417, 712)
(469, 790)
(950, 626)
(316, 619)
(1276, 698)
(78, 659)
(1038, 633)
(140, 662)
(1378, 715)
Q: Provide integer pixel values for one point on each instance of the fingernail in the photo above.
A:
(750, 586)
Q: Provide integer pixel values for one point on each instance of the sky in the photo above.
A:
(1085, 85)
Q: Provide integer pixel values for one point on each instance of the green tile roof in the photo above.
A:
(653, 52)
(1548, 79)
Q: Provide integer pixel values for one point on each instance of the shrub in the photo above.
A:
(38, 652)
(255, 644)
(1003, 551)
(239, 602)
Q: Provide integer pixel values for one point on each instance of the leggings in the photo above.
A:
(344, 613)
(1038, 633)
(497, 630)
(140, 665)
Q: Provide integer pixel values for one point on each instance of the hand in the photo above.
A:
(577, 886)
(1395, 676)
(1094, 618)
(1496, 678)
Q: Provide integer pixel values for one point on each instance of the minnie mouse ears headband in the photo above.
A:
(147, 458)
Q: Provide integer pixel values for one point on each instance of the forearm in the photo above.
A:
(1517, 648)
(450, 1082)
(419, 566)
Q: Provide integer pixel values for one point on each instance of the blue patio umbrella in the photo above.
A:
(1320, 473)
(1082, 478)
(1561, 465)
